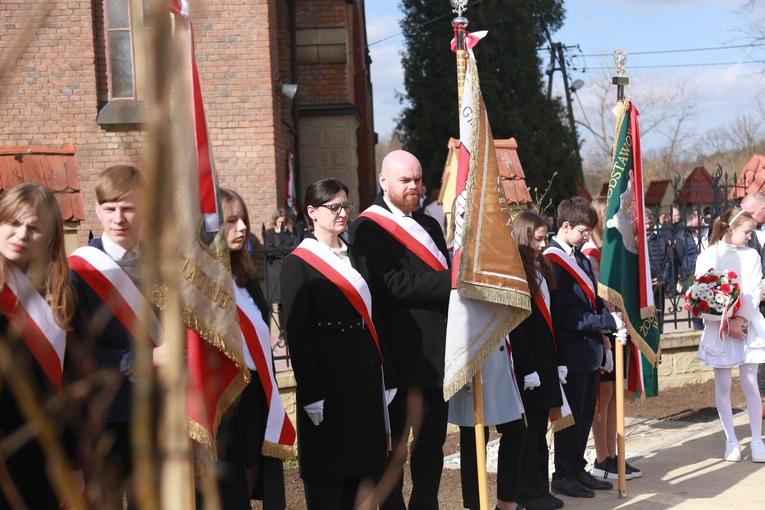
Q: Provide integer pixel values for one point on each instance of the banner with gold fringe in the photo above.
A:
(216, 367)
(490, 295)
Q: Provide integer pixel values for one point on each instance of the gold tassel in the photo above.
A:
(563, 423)
(278, 451)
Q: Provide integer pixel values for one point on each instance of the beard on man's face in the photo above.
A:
(408, 202)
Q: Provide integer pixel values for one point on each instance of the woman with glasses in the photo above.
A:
(337, 356)
(740, 342)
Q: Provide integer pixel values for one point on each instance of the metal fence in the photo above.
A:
(699, 204)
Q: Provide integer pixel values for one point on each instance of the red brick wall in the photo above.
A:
(51, 96)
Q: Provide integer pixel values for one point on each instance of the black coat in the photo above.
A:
(340, 367)
(534, 351)
(280, 243)
(101, 338)
(252, 410)
(754, 242)
(414, 299)
(577, 326)
(27, 465)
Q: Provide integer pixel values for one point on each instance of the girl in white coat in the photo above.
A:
(743, 336)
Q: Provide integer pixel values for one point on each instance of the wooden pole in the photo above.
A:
(620, 81)
(480, 442)
(622, 457)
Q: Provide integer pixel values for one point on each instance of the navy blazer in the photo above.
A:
(578, 326)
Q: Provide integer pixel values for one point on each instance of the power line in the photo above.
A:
(708, 64)
(450, 13)
(687, 50)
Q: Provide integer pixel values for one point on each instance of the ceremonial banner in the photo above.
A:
(490, 295)
(216, 367)
(625, 248)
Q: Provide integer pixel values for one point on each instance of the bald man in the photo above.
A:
(754, 204)
(407, 255)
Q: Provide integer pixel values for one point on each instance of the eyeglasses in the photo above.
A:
(335, 208)
(585, 233)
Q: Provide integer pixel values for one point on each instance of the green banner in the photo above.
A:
(625, 278)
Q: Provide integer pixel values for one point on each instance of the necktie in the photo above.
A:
(129, 255)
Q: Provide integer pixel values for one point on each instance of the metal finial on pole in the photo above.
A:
(620, 58)
(460, 24)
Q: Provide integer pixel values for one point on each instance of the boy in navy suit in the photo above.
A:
(579, 317)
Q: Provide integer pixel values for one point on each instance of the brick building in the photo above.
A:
(80, 82)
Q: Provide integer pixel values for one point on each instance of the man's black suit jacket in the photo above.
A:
(577, 325)
(414, 299)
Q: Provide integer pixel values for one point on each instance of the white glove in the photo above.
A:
(609, 366)
(315, 412)
(531, 381)
(621, 336)
(562, 373)
(619, 320)
(389, 394)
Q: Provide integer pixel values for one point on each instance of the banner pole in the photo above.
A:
(480, 442)
(620, 58)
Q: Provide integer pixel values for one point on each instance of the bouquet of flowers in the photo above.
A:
(713, 295)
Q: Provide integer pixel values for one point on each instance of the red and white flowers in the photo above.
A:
(712, 293)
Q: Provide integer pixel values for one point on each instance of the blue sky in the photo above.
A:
(600, 26)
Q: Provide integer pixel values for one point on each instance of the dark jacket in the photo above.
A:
(27, 464)
(754, 242)
(102, 338)
(660, 258)
(534, 351)
(279, 243)
(340, 365)
(414, 299)
(686, 253)
(578, 326)
(252, 411)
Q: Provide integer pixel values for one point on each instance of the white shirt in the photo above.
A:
(342, 254)
(564, 245)
(117, 252)
(395, 210)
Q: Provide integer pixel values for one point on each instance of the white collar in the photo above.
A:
(564, 246)
(395, 210)
(115, 251)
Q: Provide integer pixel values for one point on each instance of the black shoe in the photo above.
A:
(555, 501)
(636, 472)
(571, 487)
(608, 469)
(593, 483)
(539, 504)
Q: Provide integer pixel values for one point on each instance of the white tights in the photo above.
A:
(748, 373)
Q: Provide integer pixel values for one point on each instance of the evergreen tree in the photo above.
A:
(511, 82)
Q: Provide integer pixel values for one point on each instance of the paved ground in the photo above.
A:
(683, 469)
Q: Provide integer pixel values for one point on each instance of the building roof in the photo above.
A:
(654, 195)
(698, 188)
(511, 172)
(581, 191)
(52, 166)
(752, 178)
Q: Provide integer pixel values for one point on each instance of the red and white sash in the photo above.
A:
(31, 316)
(591, 250)
(565, 261)
(115, 288)
(256, 344)
(346, 278)
(408, 232)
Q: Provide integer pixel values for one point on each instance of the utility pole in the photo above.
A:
(556, 49)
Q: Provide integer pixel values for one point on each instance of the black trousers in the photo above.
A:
(335, 494)
(535, 477)
(426, 457)
(508, 462)
(761, 379)
(570, 443)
